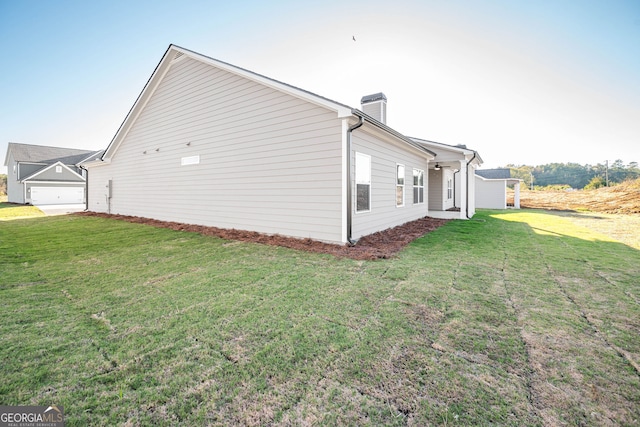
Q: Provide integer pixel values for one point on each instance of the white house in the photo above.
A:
(452, 190)
(491, 189)
(42, 175)
(213, 144)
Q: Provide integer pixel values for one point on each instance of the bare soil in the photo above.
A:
(381, 245)
(623, 198)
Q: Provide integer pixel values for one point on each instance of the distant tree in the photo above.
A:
(596, 182)
(3, 185)
(556, 175)
(522, 172)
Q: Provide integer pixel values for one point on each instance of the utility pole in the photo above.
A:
(606, 173)
(531, 174)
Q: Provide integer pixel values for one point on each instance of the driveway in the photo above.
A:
(50, 210)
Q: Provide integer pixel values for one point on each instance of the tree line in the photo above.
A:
(574, 175)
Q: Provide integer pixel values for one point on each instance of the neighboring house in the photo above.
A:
(491, 189)
(41, 175)
(451, 183)
(213, 144)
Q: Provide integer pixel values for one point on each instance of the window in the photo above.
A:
(363, 182)
(449, 189)
(418, 186)
(399, 185)
(58, 169)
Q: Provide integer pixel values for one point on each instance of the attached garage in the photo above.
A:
(57, 195)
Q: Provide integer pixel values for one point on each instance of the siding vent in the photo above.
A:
(178, 55)
(191, 160)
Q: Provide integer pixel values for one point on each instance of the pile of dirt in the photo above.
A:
(380, 245)
(623, 198)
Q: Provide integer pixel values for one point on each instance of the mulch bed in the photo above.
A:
(380, 245)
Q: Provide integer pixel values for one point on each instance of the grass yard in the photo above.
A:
(514, 318)
(10, 211)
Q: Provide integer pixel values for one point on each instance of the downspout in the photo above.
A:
(86, 188)
(349, 186)
(468, 163)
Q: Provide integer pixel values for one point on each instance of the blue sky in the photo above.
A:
(522, 82)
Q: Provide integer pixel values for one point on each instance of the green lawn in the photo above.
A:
(9, 211)
(513, 318)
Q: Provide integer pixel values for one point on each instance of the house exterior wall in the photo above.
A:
(491, 194)
(385, 156)
(436, 185)
(261, 160)
(15, 191)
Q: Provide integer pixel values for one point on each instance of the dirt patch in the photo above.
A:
(381, 245)
(623, 198)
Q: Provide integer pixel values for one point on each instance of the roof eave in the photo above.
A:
(393, 132)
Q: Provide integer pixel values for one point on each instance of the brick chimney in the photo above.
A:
(375, 106)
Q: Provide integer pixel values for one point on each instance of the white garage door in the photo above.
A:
(57, 195)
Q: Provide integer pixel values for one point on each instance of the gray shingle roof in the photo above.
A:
(375, 97)
(47, 155)
(494, 173)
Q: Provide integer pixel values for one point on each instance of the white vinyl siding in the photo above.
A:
(492, 193)
(363, 182)
(268, 162)
(386, 154)
(15, 189)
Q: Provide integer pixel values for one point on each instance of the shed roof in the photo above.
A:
(500, 173)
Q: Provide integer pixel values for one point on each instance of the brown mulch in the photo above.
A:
(381, 245)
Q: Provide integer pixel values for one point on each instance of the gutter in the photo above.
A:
(349, 186)
(475, 154)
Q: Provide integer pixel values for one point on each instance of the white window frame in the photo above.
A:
(400, 181)
(362, 180)
(449, 188)
(418, 186)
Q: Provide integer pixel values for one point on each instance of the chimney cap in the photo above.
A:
(371, 98)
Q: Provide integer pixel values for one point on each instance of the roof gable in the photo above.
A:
(457, 150)
(175, 53)
(64, 167)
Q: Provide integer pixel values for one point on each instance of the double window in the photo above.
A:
(418, 186)
(363, 182)
(399, 185)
